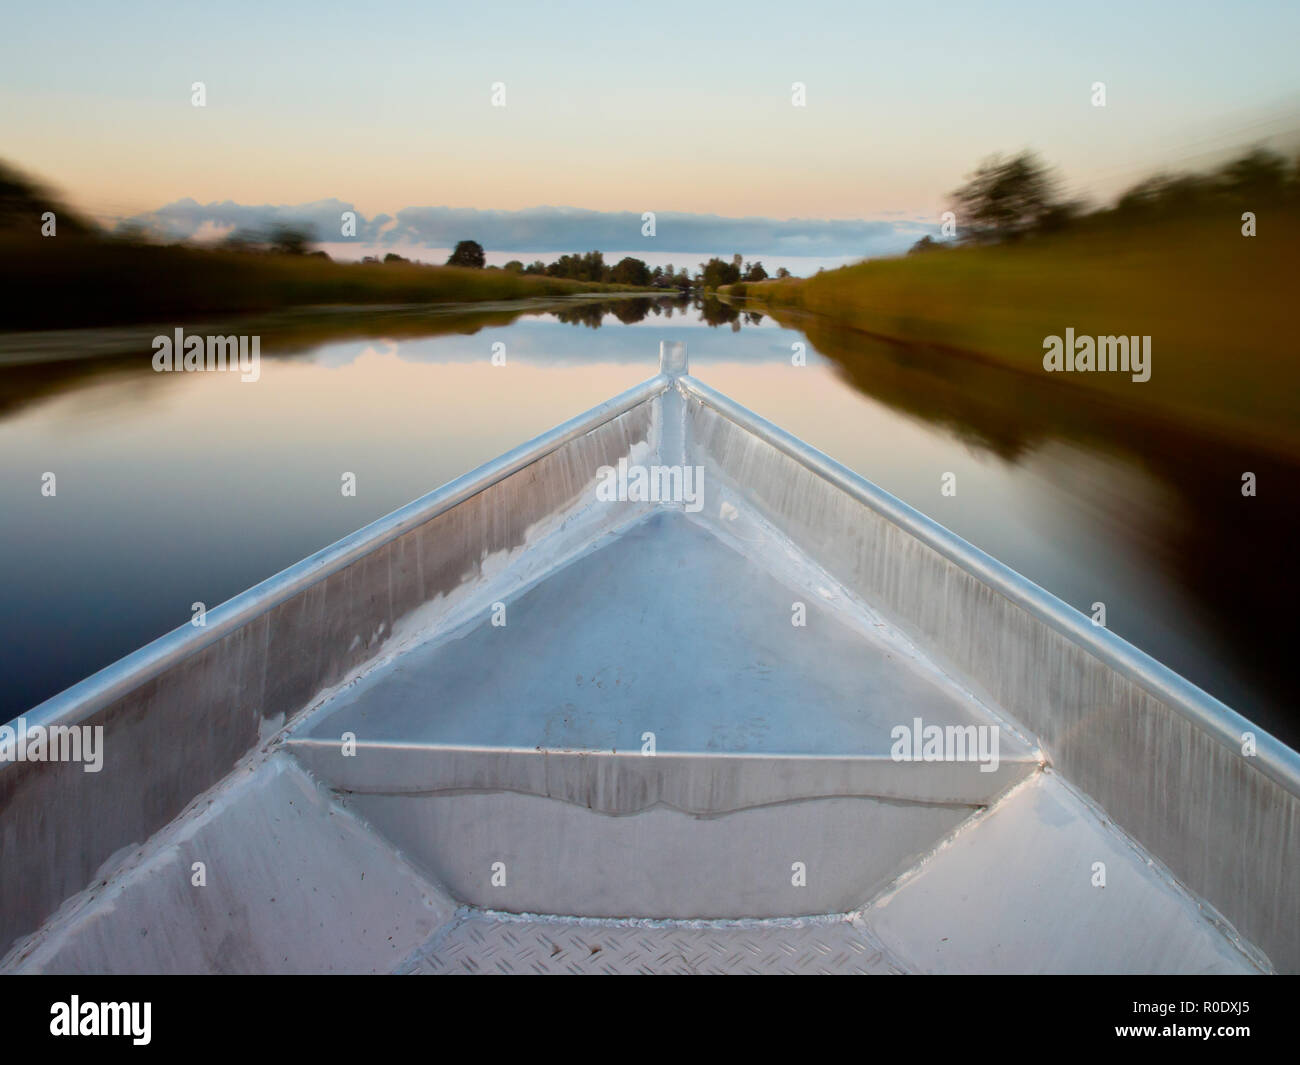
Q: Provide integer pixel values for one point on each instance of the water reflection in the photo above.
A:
(177, 488)
(1228, 551)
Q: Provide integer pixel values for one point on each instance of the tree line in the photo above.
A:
(1012, 199)
(591, 266)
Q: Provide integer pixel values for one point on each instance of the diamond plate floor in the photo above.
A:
(481, 942)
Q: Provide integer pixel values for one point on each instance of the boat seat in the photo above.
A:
(527, 744)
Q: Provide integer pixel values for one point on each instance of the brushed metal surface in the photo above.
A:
(482, 943)
(291, 883)
(1164, 759)
(1041, 883)
(774, 747)
(180, 713)
(664, 631)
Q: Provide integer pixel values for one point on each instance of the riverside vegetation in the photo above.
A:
(83, 276)
(1205, 265)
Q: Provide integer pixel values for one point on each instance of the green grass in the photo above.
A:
(1217, 305)
(65, 282)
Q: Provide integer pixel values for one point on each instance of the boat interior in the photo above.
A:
(521, 727)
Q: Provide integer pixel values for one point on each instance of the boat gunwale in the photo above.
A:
(85, 698)
(1273, 758)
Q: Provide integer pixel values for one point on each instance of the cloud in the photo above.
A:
(547, 230)
(210, 232)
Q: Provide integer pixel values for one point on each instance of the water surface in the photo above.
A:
(174, 489)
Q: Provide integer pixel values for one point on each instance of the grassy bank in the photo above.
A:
(1217, 306)
(66, 282)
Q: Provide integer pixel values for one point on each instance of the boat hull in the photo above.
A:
(707, 826)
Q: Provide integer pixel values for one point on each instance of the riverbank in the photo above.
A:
(1214, 303)
(70, 282)
(298, 328)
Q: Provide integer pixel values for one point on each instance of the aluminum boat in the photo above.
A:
(663, 690)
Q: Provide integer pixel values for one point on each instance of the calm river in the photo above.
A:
(174, 489)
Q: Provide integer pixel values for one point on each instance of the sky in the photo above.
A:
(673, 107)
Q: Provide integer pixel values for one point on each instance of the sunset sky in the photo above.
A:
(617, 107)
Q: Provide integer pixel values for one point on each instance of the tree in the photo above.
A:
(1005, 198)
(514, 266)
(23, 202)
(756, 273)
(393, 257)
(1166, 194)
(718, 272)
(468, 253)
(1260, 174)
(289, 240)
(926, 243)
(782, 273)
(629, 271)
(588, 267)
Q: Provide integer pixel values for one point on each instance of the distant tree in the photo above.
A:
(755, 273)
(535, 267)
(1005, 198)
(289, 240)
(514, 266)
(673, 279)
(718, 272)
(1259, 173)
(393, 257)
(629, 271)
(588, 267)
(1060, 216)
(23, 202)
(1166, 194)
(468, 253)
(782, 273)
(926, 243)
